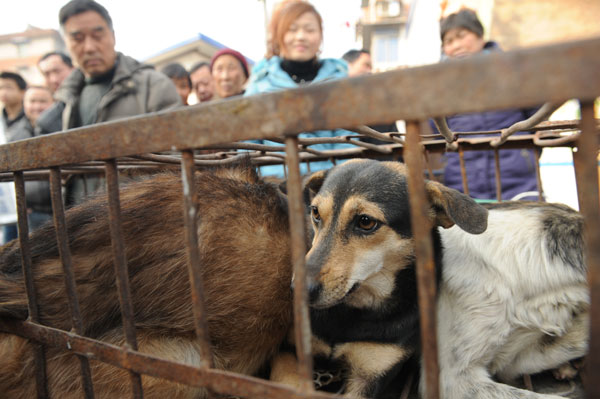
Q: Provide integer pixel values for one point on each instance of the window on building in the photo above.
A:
(388, 8)
(385, 45)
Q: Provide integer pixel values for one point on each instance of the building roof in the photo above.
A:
(206, 44)
(30, 32)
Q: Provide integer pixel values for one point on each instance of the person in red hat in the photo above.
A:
(229, 69)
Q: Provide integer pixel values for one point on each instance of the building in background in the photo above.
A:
(20, 52)
(186, 53)
(380, 30)
(401, 33)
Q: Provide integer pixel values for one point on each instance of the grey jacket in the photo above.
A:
(136, 89)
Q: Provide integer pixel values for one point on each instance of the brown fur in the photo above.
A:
(245, 259)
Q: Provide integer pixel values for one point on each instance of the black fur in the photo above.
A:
(396, 321)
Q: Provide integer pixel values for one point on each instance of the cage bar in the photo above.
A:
(62, 240)
(121, 272)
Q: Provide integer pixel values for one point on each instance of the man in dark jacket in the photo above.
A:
(106, 86)
(12, 90)
(462, 36)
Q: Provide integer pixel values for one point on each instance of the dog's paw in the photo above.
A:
(565, 372)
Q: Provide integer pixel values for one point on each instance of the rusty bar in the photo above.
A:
(64, 252)
(85, 187)
(578, 165)
(332, 105)
(121, 272)
(497, 176)
(421, 226)
(428, 163)
(538, 175)
(32, 306)
(463, 169)
(302, 332)
(434, 146)
(222, 382)
(194, 271)
(586, 172)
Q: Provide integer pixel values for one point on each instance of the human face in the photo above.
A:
(361, 66)
(203, 84)
(303, 38)
(461, 42)
(36, 101)
(54, 70)
(229, 76)
(183, 88)
(11, 96)
(91, 43)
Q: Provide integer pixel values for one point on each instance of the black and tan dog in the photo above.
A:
(361, 269)
(512, 294)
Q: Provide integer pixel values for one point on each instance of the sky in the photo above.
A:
(145, 28)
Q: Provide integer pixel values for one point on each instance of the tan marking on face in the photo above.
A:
(437, 197)
(395, 253)
(371, 260)
(359, 205)
(324, 204)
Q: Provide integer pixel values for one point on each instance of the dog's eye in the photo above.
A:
(366, 223)
(315, 213)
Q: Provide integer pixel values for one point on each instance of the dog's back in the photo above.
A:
(514, 299)
(244, 248)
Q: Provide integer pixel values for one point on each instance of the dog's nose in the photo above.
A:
(314, 291)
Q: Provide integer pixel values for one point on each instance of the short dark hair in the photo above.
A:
(75, 7)
(16, 77)
(352, 55)
(65, 58)
(176, 71)
(465, 18)
(199, 65)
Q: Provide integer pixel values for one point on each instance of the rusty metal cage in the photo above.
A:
(515, 79)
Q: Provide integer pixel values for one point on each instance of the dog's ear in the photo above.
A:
(452, 207)
(312, 185)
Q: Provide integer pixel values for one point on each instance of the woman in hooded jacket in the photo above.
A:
(292, 60)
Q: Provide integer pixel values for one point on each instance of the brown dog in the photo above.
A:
(248, 303)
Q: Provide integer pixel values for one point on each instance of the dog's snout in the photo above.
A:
(314, 291)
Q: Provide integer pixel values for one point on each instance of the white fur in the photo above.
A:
(506, 308)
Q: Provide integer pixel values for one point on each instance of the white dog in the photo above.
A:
(514, 300)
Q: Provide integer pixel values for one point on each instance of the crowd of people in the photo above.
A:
(95, 83)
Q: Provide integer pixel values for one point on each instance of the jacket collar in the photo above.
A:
(71, 87)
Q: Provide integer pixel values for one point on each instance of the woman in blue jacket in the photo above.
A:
(296, 35)
(462, 36)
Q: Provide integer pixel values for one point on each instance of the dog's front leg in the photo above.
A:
(284, 365)
(369, 365)
(284, 369)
